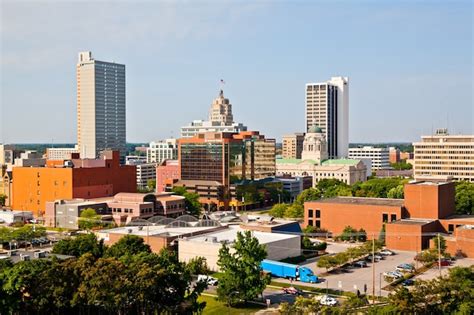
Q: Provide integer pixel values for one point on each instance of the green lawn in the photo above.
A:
(214, 307)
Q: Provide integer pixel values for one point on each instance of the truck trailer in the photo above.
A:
(289, 271)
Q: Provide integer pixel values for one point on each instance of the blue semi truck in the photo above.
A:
(289, 271)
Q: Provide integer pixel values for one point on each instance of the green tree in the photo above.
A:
(151, 184)
(382, 234)
(198, 266)
(464, 197)
(442, 244)
(89, 219)
(80, 245)
(349, 233)
(3, 199)
(396, 192)
(192, 204)
(278, 210)
(362, 235)
(242, 277)
(28, 232)
(309, 194)
(127, 246)
(294, 211)
(403, 165)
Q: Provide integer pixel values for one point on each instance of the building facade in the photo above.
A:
(75, 178)
(61, 153)
(327, 106)
(30, 158)
(221, 119)
(167, 173)
(410, 223)
(315, 162)
(443, 155)
(158, 151)
(380, 157)
(292, 146)
(101, 110)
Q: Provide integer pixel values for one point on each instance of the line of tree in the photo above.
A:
(349, 255)
(125, 278)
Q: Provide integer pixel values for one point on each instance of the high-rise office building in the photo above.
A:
(100, 106)
(379, 157)
(221, 110)
(158, 151)
(327, 106)
(442, 156)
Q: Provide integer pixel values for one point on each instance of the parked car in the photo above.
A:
(386, 252)
(360, 264)
(406, 267)
(327, 300)
(208, 279)
(376, 258)
(445, 263)
(393, 274)
(408, 282)
(293, 291)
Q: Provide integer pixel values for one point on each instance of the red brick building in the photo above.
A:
(167, 173)
(75, 178)
(428, 209)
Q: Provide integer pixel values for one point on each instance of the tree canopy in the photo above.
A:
(128, 245)
(464, 197)
(80, 245)
(242, 277)
(191, 200)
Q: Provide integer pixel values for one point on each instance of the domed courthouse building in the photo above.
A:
(314, 162)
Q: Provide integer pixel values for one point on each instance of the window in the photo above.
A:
(385, 217)
(451, 228)
(318, 213)
(310, 213)
(318, 223)
(310, 222)
(393, 217)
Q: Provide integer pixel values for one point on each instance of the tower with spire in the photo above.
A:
(221, 111)
(315, 145)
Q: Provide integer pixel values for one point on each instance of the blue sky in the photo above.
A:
(409, 63)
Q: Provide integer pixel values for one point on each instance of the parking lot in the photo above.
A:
(434, 272)
(355, 278)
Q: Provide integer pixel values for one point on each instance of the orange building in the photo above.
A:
(426, 211)
(75, 178)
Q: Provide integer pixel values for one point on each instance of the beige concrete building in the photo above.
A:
(443, 155)
(100, 106)
(278, 246)
(327, 106)
(379, 157)
(159, 151)
(220, 120)
(60, 154)
(292, 146)
(315, 162)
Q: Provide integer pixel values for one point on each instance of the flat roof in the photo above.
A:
(428, 183)
(156, 230)
(363, 201)
(274, 222)
(230, 234)
(412, 221)
(461, 217)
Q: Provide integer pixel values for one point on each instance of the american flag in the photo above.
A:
(222, 81)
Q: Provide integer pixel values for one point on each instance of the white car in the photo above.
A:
(393, 274)
(386, 252)
(327, 300)
(208, 279)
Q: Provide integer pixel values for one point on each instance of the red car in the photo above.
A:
(292, 290)
(445, 263)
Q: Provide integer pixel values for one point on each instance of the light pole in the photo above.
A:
(279, 201)
(380, 284)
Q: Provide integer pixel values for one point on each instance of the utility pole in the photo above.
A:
(373, 269)
(439, 255)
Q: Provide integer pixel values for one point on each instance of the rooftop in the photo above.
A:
(412, 221)
(330, 162)
(461, 217)
(230, 234)
(155, 230)
(363, 201)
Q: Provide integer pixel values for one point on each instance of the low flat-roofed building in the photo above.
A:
(9, 216)
(272, 225)
(410, 234)
(334, 214)
(279, 246)
(161, 234)
(121, 208)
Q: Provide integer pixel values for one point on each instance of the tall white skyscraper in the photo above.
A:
(327, 107)
(100, 106)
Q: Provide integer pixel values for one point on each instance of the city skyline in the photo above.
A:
(427, 58)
